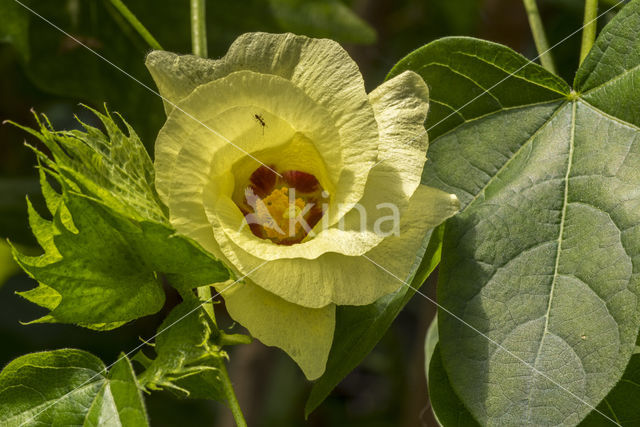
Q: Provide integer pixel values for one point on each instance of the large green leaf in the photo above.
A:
(69, 387)
(470, 78)
(543, 259)
(109, 238)
(445, 403)
(358, 329)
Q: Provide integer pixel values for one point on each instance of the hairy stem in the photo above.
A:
(539, 36)
(136, 24)
(590, 25)
(230, 395)
(198, 28)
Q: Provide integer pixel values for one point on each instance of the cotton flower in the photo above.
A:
(276, 160)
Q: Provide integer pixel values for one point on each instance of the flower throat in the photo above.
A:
(282, 209)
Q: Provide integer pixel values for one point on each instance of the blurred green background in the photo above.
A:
(43, 69)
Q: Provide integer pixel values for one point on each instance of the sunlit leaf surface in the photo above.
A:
(543, 259)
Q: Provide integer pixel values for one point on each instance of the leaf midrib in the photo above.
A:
(515, 155)
(609, 116)
(513, 74)
(611, 80)
(489, 114)
(565, 203)
(48, 404)
(465, 76)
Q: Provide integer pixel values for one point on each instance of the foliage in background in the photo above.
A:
(58, 64)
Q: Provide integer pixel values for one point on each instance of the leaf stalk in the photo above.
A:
(539, 36)
(198, 28)
(136, 24)
(589, 27)
(230, 395)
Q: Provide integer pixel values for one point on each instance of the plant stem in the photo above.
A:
(198, 28)
(589, 29)
(135, 23)
(231, 396)
(199, 47)
(204, 295)
(539, 36)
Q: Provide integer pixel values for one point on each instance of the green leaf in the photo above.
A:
(113, 167)
(621, 404)
(69, 387)
(14, 26)
(358, 329)
(469, 79)
(611, 71)
(543, 258)
(109, 238)
(430, 343)
(92, 272)
(61, 66)
(322, 18)
(445, 403)
(446, 406)
(187, 361)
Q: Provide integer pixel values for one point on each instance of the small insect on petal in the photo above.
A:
(260, 120)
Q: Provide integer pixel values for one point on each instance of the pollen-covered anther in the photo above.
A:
(283, 209)
(278, 214)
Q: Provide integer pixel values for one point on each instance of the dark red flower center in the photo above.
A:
(282, 208)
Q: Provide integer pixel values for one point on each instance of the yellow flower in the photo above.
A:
(276, 160)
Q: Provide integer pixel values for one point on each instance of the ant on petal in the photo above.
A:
(260, 120)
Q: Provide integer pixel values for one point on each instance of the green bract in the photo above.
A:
(108, 242)
(291, 103)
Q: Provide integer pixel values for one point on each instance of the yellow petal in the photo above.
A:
(176, 76)
(305, 334)
(401, 106)
(353, 280)
(319, 67)
(193, 166)
(327, 74)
